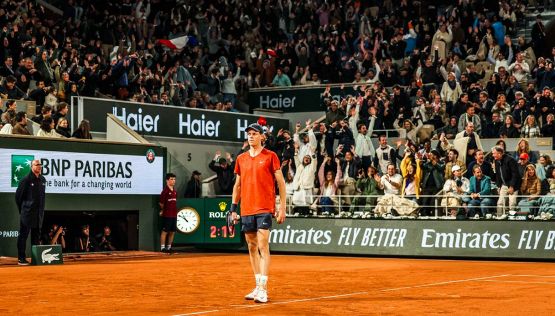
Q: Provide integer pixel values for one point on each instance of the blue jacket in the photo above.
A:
(485, 185)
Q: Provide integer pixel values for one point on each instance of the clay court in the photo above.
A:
(214, 284)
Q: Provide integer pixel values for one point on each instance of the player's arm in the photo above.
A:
(280, 216)
(236, 195)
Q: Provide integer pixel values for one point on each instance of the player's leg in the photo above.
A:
(252, 244)
(263, 237)
(163, 236)
(169, 243)
(171, 228)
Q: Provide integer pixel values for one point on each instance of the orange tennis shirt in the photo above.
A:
(258, 193)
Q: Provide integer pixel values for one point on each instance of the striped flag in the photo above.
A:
(179, 42)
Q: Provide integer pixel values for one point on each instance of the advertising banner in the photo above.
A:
(84, 173)
(294, 99)
(479, 239)
(172, 121)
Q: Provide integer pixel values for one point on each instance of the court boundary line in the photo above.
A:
(341, 295)
(519, 282)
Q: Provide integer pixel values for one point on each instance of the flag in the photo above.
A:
(179, 42)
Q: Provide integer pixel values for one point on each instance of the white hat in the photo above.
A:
(455, 168)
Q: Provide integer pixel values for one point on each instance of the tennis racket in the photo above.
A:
(230, 223)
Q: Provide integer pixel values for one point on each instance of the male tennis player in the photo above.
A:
(257, 170)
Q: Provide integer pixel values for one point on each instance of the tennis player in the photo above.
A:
(257, 171)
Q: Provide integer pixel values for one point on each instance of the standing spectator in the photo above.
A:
(410, 189)
(507, 179)
(328, 186)
(431, 182)
(370, 187)
(194, 186)
(168, 212)
(303, 181)
(470, 116)
(29, 198)
(224, 171)
(391, 181)
(349, 167)
(530, 128)
(480, 188)
(470, 142)
(479, 160)
(385, 155)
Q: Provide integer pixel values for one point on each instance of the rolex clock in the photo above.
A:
(188, 220)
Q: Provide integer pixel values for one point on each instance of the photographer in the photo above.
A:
(56, 236)
(105, 242)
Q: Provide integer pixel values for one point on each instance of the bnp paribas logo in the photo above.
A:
(21, 166)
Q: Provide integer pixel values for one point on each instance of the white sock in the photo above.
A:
(169, 247)
(162, 247)
(257, 278)
(263, 281)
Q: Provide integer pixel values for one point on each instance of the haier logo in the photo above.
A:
(277, 103)
(137, 121)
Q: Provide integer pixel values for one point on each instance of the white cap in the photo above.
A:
(455, 168)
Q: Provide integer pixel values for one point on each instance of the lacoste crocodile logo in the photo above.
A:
(48, 257)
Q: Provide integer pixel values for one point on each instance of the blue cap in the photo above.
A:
(255, 127)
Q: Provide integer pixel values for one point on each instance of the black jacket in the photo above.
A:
(193, 189)
(226, 176)
(507, 169)
(30, 197)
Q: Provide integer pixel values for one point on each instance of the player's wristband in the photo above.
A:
(233, 208)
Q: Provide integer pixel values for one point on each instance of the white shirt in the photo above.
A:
(388, 187)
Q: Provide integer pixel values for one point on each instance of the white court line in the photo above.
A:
(524, 282)
(446, 282)
(533, 275)
(345, 295)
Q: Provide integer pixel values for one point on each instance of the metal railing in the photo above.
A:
(453, 207)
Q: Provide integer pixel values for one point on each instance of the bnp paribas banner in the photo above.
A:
(84, 173)
(480, 239)
(295, 99)
(171, 121)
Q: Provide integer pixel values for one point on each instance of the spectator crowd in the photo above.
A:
(451, 71)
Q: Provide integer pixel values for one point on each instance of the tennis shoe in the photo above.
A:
(261, 297)
(252, 294)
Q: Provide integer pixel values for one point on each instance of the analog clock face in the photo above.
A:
(188, 220)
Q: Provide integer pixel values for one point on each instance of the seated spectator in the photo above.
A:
(470, 116)
(493, 127)
(530, 190)
(523, 147)
(83, 242)
(61, 111)
(328, 186)
(62, 128)
(479, 204)
(391, 181)
(224, 171)
(281, 79)
(20, 126)
(7, 128)
(542, 166)
(56, 236)
(454, 190)
(47, 129)
(83, 131)
(9, 89)
(194, 186)
(105, 241)
(530, 128)
(508, 130)
(46, 112)
(9, 114)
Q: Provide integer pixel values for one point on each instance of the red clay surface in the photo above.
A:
(214, 284)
